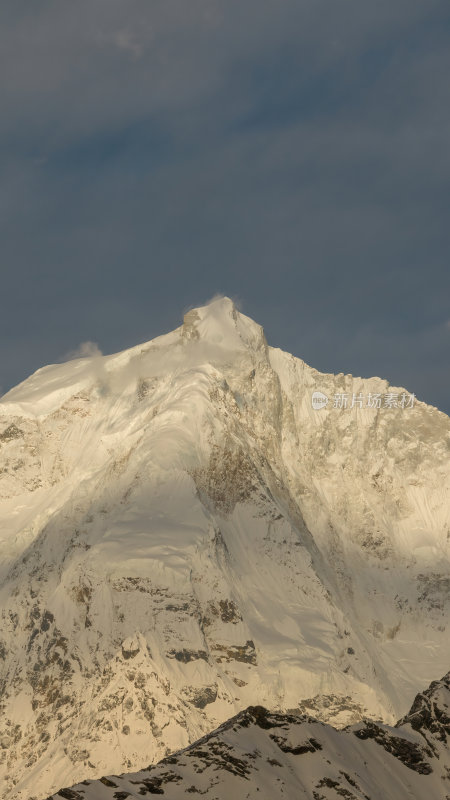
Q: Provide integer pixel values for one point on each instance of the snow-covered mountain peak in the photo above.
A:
(182, 535)
(220, 323)
(214, 334)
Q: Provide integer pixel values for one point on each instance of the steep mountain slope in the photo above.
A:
(184, 535)
(262, 756)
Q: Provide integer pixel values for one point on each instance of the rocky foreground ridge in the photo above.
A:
(260, 755)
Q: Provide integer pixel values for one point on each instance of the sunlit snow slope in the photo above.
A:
(182, 535)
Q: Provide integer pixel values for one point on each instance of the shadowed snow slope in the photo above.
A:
(182, 535)
(259, 755)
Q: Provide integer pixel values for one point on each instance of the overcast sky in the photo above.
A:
(292, 154)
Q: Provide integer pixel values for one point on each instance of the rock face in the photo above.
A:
(262, 755)
(182, 535)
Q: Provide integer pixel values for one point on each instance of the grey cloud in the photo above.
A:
(295, 154)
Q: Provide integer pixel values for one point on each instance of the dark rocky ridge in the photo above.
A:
(256, 753)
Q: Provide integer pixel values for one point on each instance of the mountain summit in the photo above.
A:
(185, 534)
(220, 323)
